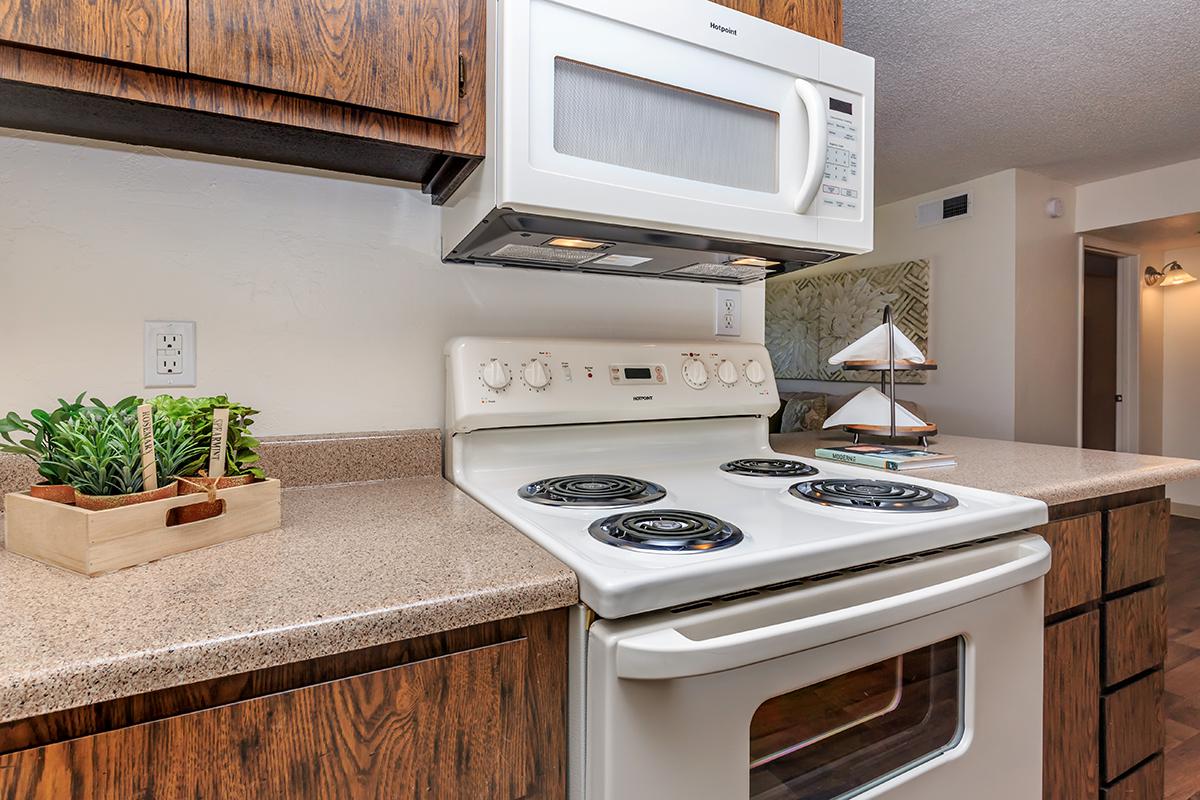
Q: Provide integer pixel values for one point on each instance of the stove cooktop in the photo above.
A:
(637, 557)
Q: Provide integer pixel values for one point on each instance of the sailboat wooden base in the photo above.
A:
(919, 432)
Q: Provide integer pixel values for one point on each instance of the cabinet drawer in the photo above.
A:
(1071, 747)
(1135, 549)
(1074, 576)
(1133, 724)
(148, 32)
(392, 55)
(447, 727)
(1135, 633)
(1145, 783)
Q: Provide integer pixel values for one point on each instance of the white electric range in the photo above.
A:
(729, 593)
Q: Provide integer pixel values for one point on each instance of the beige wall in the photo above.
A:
(972, 305)
(1181, 370)
(318, 297)
(1138, 196)
(1047, 314)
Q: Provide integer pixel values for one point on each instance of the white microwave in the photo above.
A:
(673, 138)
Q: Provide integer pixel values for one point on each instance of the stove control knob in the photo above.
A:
(727, 373)
(495, 375)
(695, 374)
(755, 372)
(536, 375)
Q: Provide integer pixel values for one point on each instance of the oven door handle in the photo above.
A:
(668, 653)
(818, 142)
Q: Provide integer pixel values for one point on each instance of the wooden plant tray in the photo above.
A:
(95, 542)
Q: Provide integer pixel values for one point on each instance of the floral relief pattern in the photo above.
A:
(809, 318)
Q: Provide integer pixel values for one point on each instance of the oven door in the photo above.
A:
(920, 680)
(686, 116)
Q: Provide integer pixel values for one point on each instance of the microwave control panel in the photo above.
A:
(841, 187)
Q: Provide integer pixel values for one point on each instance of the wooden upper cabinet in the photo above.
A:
(151, 33)
(819, 18)
(392, 55)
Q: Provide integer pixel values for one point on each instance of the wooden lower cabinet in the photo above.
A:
(1144, 783)
(484, 722)
(1105, 647)
(1071, 710)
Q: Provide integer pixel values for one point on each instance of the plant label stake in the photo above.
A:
(216, 447)
(145, 414)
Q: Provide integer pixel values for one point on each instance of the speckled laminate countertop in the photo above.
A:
(353, 566)
(1051, 474)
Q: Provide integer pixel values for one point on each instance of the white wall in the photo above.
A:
(972, 304)
(1181, 371)
(1138, 196)
(318, 298)
(1047, 313)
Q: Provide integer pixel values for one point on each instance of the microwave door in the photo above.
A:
(639, 123)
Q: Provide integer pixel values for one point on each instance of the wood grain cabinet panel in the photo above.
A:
(1071, 751)
(1133, 725)
(819, 18)
(1145, 783)
(1136, 545)
(148, 32)
(1075, 569)
(1135, 633)
(394, 55)
(447, 727)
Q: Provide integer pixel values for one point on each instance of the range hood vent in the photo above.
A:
(511, 238)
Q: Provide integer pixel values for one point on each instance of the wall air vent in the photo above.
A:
(947, 208)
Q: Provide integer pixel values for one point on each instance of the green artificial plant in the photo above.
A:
(241, 456)
(38, 428)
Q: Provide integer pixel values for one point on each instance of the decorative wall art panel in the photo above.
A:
(811, 317)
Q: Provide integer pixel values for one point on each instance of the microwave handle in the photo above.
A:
(818, 133)
(666, 654)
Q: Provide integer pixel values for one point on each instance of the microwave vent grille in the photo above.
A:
(558, 256)
(733, 272)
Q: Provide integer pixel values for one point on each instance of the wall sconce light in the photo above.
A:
(1172, 274)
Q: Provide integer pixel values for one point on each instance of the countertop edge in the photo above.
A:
(29, 695)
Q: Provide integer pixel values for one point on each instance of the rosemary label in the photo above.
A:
(145, 415)
(216, 447)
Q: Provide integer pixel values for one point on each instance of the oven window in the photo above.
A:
(618, 119)
(848, 734)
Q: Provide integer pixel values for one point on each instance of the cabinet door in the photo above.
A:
(819, 18)
(1071, 747)
(146, 32)
(392, 55)
(448, 727)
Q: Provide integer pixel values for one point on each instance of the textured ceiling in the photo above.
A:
(1075, 89)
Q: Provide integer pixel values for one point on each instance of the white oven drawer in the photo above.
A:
(919, 680)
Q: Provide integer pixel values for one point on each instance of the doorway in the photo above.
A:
(1100, 341)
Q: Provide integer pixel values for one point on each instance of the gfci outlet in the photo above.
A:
(170, 354)
(728, 313)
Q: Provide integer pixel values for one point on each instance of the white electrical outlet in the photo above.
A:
(170, 354)
(728, 320)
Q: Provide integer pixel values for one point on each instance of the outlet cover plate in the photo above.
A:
(169, 354)
(727, 319)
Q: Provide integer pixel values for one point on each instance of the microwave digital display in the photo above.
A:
(841, 105)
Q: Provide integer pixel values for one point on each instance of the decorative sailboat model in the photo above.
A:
(874, 412)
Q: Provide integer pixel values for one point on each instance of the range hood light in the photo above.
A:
(749, 261)
(579, 244)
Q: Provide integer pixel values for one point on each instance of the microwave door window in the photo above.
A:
(619, 119)
(845, 735)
